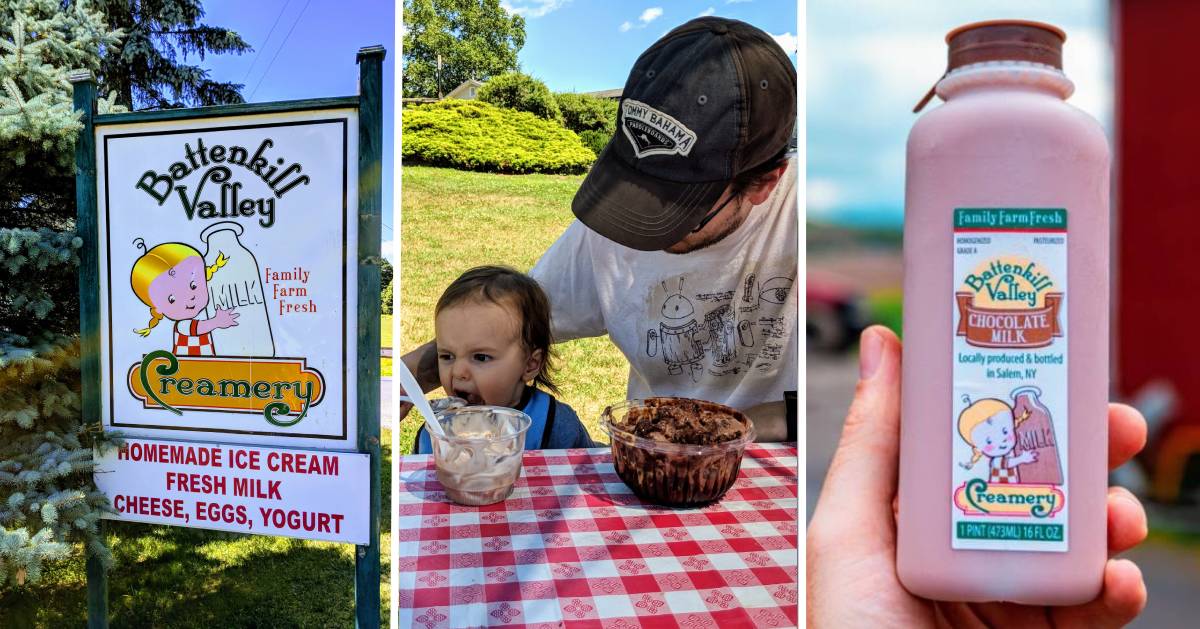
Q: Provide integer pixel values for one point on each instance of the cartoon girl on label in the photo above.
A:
(172, 280)
(989, 427)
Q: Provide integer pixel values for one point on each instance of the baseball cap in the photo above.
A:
(710, 100)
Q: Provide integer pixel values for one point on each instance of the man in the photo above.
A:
(685, 247)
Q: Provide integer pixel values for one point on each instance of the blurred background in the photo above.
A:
(869, 62)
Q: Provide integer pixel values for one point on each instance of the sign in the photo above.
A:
(228, 277)
(1010, 380)
(229, 304)
(309, 494)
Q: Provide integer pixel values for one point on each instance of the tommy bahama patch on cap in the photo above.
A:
(651, 132)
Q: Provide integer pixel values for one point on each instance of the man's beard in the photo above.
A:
(711, 240)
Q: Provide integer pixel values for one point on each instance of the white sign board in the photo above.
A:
(309, 494)
(228, 278)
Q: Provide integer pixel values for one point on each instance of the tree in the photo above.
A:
(385, 280)
(385, 306)
(477, 39)
(385, 273)
(521, 92)
(150, 71)
(47, 498)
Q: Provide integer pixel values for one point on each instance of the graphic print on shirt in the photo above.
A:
(676, 337)
(737, 330)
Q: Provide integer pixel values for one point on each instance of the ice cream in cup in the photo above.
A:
(479, 458)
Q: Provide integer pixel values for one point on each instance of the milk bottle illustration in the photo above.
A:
(1036, 433)
(239, 285)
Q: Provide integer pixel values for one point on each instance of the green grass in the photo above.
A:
(179, 577)
(385, 340)
(385, 330)
(454, 220)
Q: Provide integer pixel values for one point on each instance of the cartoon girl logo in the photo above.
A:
(989, 427)
(172, 280)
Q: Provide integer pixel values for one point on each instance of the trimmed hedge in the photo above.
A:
(472, 135)
(592, 117)
(595, 139)
(521, 92)
(584, 112)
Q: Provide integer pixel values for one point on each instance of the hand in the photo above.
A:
(852, 572)
(225, 319)
(1028, 456)
(405, 407)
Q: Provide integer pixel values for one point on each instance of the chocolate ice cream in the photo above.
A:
(676, 451)
(684, 421)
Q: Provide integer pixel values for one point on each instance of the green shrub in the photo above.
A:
(595, 139)
(385, 305)
(583, 112)
(521, 92)
(471, 135)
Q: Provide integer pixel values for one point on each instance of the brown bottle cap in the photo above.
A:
(1001, 40)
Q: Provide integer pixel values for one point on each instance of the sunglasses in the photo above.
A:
(713, 214)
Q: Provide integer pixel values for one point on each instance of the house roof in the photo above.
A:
(615, 93)
(463, 88)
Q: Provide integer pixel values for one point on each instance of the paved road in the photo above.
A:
(1170, 564)
(385, 402)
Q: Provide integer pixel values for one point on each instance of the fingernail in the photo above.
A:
(870, 354)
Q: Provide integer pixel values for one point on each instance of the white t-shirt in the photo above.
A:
(718, 324)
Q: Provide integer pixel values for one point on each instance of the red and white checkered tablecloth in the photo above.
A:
(572, 546)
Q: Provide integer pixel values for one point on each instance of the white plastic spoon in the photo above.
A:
(409, 384)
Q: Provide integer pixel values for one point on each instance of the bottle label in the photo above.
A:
(1009, 406)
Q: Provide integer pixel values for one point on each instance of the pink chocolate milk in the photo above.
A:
(1006, 250)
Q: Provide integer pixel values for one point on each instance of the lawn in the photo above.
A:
(454, 220)
(385, 340)
(179, 577)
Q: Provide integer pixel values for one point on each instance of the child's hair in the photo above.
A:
(157, 261)
(978, 413)
(506, 287)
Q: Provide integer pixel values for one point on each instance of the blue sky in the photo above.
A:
(870, 61)
(309, 54)
(589, 45)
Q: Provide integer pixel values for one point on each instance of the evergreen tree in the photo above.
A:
(149, 71)
(47, 498)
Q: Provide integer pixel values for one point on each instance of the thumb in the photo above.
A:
(861, 481)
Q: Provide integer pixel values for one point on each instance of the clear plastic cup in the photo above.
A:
(479, 459)
(443, 404)
(674, 474)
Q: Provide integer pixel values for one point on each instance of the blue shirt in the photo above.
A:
(555, 425)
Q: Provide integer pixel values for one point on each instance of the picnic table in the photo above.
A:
(572, 546)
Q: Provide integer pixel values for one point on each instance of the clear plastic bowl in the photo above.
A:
(479, 459)
(674, 474)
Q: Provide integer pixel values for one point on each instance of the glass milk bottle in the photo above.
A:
(1006, 259)
(237, 286)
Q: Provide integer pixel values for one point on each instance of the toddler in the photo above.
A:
(492, 328)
